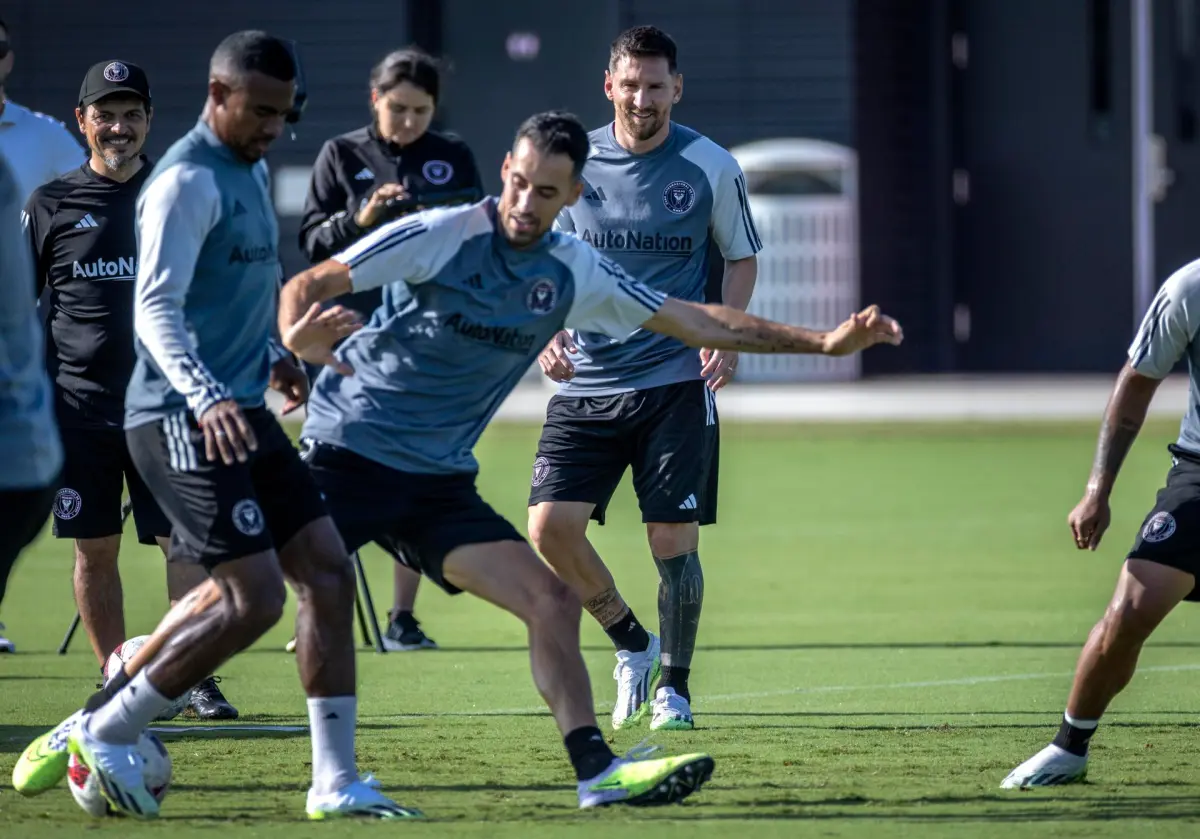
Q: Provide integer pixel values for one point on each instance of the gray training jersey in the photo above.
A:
(207, 282)
(1169, 333)
(654, 214)
(29, 445)
(464, 315)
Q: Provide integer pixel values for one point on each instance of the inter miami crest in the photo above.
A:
(1159, 528)
(67, 504)
(437, 172)
(542, 297)
(679, 197)
(247, 517)
(541, 468)
(116, 72)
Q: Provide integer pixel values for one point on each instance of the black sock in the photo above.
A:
(1073, 739)
(629, 634)
(107, 692)
(589, 754)
(404, 620)
(676, 679)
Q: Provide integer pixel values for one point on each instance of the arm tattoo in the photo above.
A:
(753, 333)
(1117, 433)
(607, 607)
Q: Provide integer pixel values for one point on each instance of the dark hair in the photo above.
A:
(407, 65)
(557, 132)
(643, 42)
(253, 51)
(4, 26)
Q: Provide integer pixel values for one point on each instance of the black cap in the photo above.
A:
(109, 77)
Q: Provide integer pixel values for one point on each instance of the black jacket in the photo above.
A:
(81, 232)
(350, 167)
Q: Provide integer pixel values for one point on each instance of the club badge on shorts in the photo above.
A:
(247, 517)
(541, 468)
(1159, 528)
(67, 504)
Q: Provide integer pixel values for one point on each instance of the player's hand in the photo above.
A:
(554, 361)
(719, 367)
(861, 330)
(371, 212)
(289, 380)
(227, 432)
(1089, 520)
(312, 337)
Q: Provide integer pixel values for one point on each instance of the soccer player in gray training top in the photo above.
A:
(29, 445)
(239, 499)
(655, 195)
(1161, 566)
(471, 296)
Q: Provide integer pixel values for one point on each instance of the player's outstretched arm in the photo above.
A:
(721, 327)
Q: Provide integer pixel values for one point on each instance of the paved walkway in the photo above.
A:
(919, 399)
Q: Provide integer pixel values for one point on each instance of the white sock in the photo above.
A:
(126, 715)
(331, 721)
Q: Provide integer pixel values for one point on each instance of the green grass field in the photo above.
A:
(891, 620)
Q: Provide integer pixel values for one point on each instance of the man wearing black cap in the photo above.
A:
(81, 231)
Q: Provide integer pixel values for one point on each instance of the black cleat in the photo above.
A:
(406, 636)
(208, 703)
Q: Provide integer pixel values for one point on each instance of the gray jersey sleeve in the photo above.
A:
(1169, 325)
(732, 222)
(175, 214)
(607, 300)
(412, 249)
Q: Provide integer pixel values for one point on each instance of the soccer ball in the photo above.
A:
(125, 652)
(156, 769)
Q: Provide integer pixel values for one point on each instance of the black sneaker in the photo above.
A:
(208, 703)
(406, 636)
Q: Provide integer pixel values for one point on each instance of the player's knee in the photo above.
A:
(97, 555)
(672, 539)
(1127, 622)
(554, 532)
(256, 609)
(554, 603)
(331, 585)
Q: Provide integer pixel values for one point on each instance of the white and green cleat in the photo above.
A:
(670, 712)
(646, 783)
(636, 674)
(44, 762)
(360, 799)
(1053, 766)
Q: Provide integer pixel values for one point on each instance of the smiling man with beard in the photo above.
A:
(80, 228)
(656, 194)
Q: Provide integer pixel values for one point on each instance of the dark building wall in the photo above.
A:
(759, 68)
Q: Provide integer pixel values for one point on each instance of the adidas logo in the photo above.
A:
(689, 503)
(365, 175)
(86, 222)
(595, 195)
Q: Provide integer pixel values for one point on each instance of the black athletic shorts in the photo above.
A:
(670, 435)
(25, 512)
(222, 512)
(96, 469)
(1170, 533)
(419, 519)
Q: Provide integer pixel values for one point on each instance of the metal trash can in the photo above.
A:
(804, 197)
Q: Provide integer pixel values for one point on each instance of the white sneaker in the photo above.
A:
(356, 799)
(635, 674)
(1053, 766)
(671, 712)
(290, 646)
(118, 768)
(6, 646)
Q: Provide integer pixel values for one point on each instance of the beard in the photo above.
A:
(642, 129)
